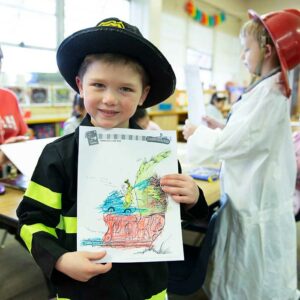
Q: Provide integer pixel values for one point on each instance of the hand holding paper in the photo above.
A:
(188, 129)
(85, 268)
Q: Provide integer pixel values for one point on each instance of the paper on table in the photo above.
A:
(121, 207)
(196, 107)
(24, 155)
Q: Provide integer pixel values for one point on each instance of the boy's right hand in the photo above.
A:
(80, 265)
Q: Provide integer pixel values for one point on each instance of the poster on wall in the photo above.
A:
(122, 208)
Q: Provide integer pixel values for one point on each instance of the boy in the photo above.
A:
(255, 251)
(115, 70)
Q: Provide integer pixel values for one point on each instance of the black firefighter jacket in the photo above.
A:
(47, 219)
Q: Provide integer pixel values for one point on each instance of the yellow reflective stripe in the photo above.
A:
(43, 195)
(27, 231)
(159, 296)
(68, 224)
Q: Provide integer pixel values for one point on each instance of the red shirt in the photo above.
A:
(11, 119)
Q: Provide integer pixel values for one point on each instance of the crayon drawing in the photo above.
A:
(135, 215)
(122, 208)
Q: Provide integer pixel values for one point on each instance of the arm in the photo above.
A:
(249, 130)
(22, 126)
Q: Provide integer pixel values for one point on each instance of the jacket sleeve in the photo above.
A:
(40, 210)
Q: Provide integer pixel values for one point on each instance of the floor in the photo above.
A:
(21, 279)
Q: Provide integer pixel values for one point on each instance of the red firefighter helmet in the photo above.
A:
(284, 29)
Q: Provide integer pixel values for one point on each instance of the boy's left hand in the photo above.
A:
(181, 187)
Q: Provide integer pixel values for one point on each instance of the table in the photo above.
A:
(8, 218)
(8, 204)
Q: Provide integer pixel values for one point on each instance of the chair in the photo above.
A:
(186, 277)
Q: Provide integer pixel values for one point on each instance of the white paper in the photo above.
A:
(120, 205)
(24, 155)
(196, 106)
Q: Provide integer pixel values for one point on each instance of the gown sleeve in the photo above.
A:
(249, 130)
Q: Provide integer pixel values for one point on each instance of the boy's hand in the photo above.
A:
(182, 188)
(79, 265)
(188, 129)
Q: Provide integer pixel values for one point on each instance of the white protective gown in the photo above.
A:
(255, 253)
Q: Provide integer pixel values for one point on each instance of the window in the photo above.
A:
(30, 23)
(20, 60)
(83, 14)
(28, 29)
(28, 36)
(204, 62)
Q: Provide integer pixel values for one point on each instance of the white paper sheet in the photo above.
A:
(196, 106)
(24, 155)
(121, 207)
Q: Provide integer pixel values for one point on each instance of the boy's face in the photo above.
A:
(250, 53)
(111, 92)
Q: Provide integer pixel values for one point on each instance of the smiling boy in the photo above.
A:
(115, 70)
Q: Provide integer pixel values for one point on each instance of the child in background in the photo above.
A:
(77, 115)
(214, 108)
(213, 118)
(115, 70)
(141, 118)
(12, 125)
(255, 252)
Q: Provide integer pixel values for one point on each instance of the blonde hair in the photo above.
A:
(258, 31)
(112, 58)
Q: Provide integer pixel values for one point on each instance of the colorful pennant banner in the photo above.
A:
(203, 18)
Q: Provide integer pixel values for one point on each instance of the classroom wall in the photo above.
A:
(180, 32)
(168, 26)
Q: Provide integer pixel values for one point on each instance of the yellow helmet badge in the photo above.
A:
(112, 23)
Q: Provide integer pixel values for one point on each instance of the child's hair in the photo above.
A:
(257, 30)
(112, 58)
(215, 97)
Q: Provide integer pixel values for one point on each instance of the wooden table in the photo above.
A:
(8, 204)
(8, 218)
